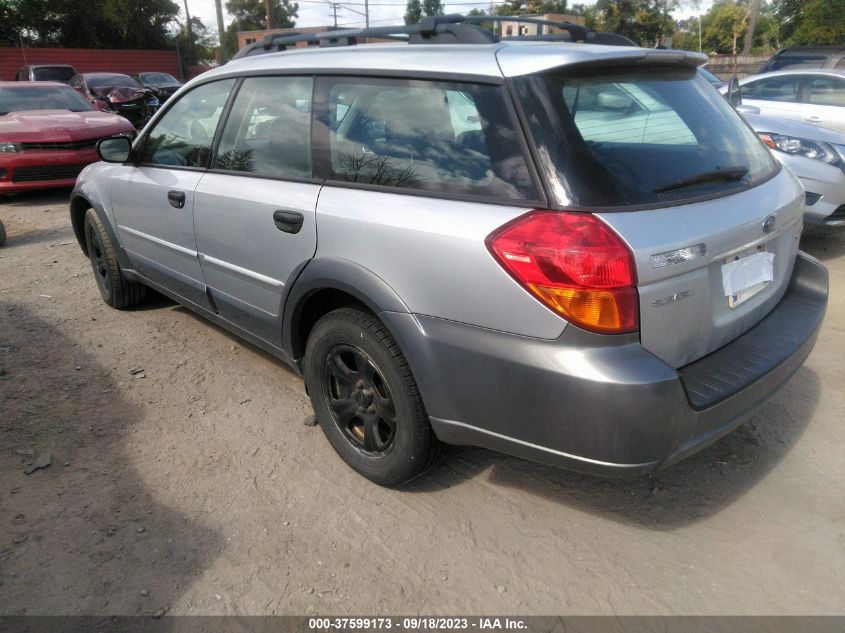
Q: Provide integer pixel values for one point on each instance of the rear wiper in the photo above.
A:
(726, 173)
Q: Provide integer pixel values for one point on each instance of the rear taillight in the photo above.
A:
(575, 264)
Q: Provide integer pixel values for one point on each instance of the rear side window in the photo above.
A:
(268, 130)
(826, 90)
(182, 136)
(440, 137)
(639, 137)
(773, 89)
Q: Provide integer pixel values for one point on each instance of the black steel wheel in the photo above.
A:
(115, 289)
(366, 398)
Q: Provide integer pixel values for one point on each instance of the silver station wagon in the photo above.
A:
(562, 247)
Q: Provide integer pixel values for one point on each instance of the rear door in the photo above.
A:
(779, 95)
(153, 200)
(254, 211)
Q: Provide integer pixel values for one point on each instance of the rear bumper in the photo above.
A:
(603, 404)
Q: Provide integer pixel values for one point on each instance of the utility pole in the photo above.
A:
(334, 6)
(218, 5)
(268, 15)
(188, 23)
(754, 11)
(367, 13)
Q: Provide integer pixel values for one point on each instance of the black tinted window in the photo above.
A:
(645, 137)
(183, 136)
(453, 138)
(57, 73)
(268, 130)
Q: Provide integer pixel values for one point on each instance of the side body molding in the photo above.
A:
(333, 273)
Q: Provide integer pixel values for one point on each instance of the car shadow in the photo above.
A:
(62, 236)
(37, 197)
(83, 534)
(824, 246)
(683, 494)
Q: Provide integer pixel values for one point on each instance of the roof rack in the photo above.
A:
(439, 29)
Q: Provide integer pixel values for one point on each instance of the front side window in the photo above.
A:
(443, 137)
(268, 130)
(826, 90)
(182, 136)
(616, 138)
(773, 89)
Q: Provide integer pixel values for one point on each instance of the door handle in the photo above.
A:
(288, 221)
(813, 119)
(176, 199)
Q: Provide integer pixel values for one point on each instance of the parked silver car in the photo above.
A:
(817, 156)
(814, 96)
(572, 252)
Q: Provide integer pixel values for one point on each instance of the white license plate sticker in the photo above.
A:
(744, 277)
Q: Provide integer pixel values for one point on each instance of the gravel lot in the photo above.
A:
(193, 486)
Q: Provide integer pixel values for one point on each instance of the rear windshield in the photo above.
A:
(28, 97)
(797, 60)
(652, 137)
(54, 73)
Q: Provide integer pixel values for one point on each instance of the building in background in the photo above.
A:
(516, 28)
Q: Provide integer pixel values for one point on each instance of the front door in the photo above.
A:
(153, 199)
(254, 212)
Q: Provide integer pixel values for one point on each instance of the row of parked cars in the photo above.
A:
(51, 118)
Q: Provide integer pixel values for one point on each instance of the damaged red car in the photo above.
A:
(48, 134)
(121, 94)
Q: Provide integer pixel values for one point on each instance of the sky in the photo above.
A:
(382, 12)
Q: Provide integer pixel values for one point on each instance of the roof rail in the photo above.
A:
(439, 29)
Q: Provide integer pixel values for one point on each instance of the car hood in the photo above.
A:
(776, 125)
(60, 125)
(120, 94)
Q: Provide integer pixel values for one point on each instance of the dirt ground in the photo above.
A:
(194, 487)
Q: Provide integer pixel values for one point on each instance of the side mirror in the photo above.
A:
(114, 150)
(747, 109)
(734, 94)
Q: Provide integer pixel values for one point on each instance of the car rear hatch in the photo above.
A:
(652, 150)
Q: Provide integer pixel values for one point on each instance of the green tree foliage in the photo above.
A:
(196, 48)
(130, 24)
(524, 7)
(250, 16)
(432, 7)
(644, 21)
(811, 21)
(723, 26)
(413, 12)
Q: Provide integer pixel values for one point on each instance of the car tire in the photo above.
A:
(366, 399)
(116, 290)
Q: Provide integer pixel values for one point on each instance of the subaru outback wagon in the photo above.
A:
(570, 251)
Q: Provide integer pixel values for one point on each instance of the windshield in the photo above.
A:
(24, 98)
(159, 79)
(54, 73)
(111, 81)
(650, 136)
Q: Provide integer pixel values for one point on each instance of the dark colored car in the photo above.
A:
(163, 85)
(115, 92)
(806, 57)
(48, 134)
(46, 72)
